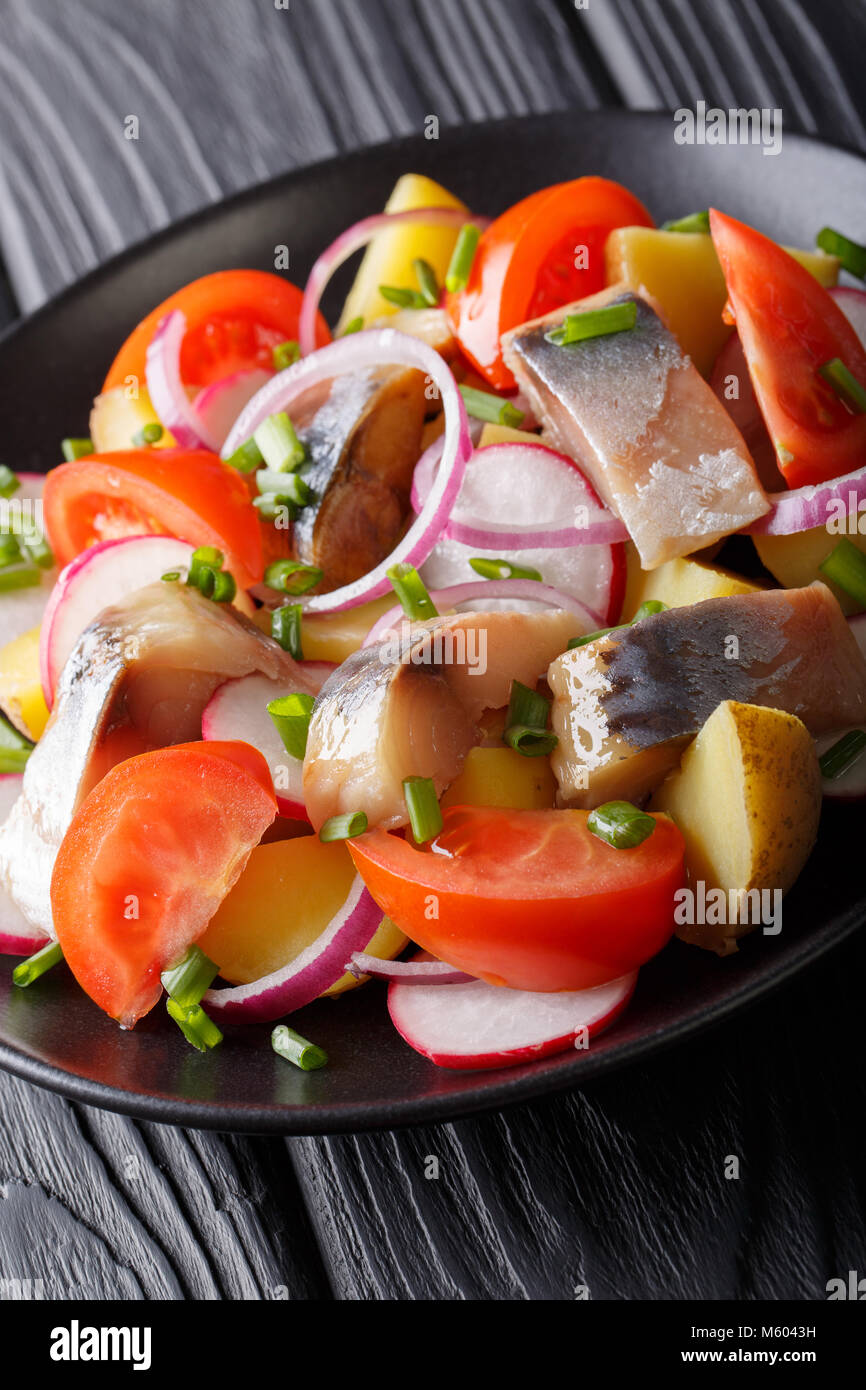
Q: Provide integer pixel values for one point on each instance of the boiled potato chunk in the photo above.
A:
(504, 434)
(794, 560)
(679, 583)
(21, 695)
(283, 900)
(388, 258)
(502, 777)
(116, 418)
(681, 271)
(747, 798)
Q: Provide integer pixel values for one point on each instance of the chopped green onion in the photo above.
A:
(195, 1025)
(694, 222)
(187, 981)
(404, 299)
(462, 258)
(482, 405)
(291, 716)
(502, 569)
(10, 549)
(286, 629)
(290, 486)
(353, 326)
(280, 446)
(73, 449)
(412, 592)
(530, 741)
(422, 803)
(846, 566)
(621, 824)
(845, 384)
(206, 574)
(843, 755)
(15, 749)
(40, 551)
(19, 577)
(148, 434)
(646, 610)
(246, 457)
(426, 277)
(588, 637)
(289, 1044)
(527, 707)
(171, 577)
(224, 587)
(9, 481)
(344, 827)
(273, 505)
(594, 323)
(31, 969)
(207, 557)
(291, 577)
(285, 354)
(851, 254)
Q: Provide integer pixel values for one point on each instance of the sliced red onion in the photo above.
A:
(166, 389)
(808, 507)
(309, 974)
(489, 591)
(408, 972)
(218, 405)
(377, 348)
(352, 240)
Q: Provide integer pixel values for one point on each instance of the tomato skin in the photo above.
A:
(234, 319)
(528, 899)
(789, 326)
(147, 859)
(524, 264)
(187, 493)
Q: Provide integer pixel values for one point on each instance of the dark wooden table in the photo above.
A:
(620, 1186)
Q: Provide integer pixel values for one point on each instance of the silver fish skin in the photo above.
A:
(145, 668)
(643, 424)
(408, 707)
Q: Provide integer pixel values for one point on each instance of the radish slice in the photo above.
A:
(851, 786)
(477, 1025)
(382, 348)
(22, 609)
(166, 389)
(490, 594)
(408, 972)
(352, 240)
(100, 576)
(239, 710)
(309, 974)
(219, 405)
(17, 936)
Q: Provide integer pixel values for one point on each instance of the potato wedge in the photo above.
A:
(679, 583)
(747, 799)
(795, 560)
(502, 777)
(21, 697)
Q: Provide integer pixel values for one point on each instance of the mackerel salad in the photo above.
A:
(474, 646)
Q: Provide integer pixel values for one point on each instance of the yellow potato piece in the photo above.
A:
(504, 434)
(679, 583)
(747, 799)
(502, 777)
(333, 637)
(681, 271)
(795, 560)
(283, 900)
(115, 419)
(388, 259)
(20, 685)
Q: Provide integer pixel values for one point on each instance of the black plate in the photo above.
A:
(50, 367)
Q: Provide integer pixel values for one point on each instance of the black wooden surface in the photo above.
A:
(620, 1187)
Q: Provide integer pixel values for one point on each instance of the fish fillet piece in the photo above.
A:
(627, 704)
(410, 706)
(644, 425)
(138, 678)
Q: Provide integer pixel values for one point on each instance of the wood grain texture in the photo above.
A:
(619, 1187)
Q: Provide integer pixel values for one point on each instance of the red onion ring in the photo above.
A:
(807, 507)
(376, 348)
(309, 974)
(166, 389)
(352, 240)
(408, 972)
(521, 590)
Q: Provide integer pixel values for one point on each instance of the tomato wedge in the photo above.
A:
(789, 326)
(147, 860)
(234, 320)
(187, 493)
(529, 261)
(528, 899)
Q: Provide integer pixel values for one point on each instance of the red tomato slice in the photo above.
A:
(525, 264)
(528, 899)
(187, 493)
(790, 326)
(148, 858)
(233, 321)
